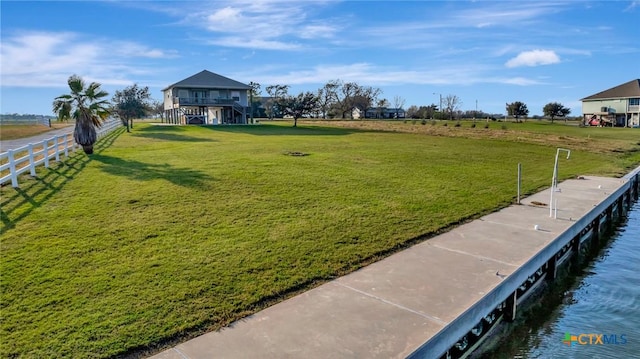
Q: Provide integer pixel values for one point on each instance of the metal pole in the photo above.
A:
(554, 180)
(519, 180)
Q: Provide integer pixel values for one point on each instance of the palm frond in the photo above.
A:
(76, 84)
(86, 105)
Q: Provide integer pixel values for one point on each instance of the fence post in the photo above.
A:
(57, 147)
(32, 162)
(45, 150)
(12, 169)
(66, 146)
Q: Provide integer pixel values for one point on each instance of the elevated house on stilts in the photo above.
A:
(206, 98)
(617, 106)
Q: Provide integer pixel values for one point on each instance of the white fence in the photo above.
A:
(36, 154)
(39, 120)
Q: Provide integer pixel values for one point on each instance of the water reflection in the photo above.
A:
(602, 300)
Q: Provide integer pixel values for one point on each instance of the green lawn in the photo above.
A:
(167, 232)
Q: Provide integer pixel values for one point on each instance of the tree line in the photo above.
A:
(519, 109)
(451, 110)
(86, 104)
(335, 99)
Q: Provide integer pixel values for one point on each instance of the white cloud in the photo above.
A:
(132, 49)
(520, 81)
(534, 58)
(47, 59)
(373, 75)
(269, 25)
(247, 43)
(633, 5)
(506, 13)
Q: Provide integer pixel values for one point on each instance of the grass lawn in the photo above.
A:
(12, 132)
(167, 232)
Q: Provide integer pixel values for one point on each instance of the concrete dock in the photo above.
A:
(395, 308)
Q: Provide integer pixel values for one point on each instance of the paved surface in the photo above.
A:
(12, 144)
(390, 308)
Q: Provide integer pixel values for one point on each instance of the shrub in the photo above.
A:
(423, 122)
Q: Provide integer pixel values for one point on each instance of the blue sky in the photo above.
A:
(485, 52)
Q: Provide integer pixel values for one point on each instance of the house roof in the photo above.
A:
(208, 79)
(626, 90)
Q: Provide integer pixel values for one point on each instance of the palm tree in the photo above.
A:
(85, 105)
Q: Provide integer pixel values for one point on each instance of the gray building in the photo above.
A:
(617, 106)
(206, 98)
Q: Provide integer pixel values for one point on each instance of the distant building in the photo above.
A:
(206, 98)
(379, 113)
(617, 106)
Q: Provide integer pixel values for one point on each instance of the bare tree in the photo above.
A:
(451, 104)
(276, 92)
(350, 95)
(345, 98)
(254, 98)
(398, 102)
(327, 96)
(157, 109)
(382, 104)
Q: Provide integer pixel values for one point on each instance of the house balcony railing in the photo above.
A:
(204, 101)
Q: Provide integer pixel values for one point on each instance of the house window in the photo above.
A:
(235, 95)
(634, 102)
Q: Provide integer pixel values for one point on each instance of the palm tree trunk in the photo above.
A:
(85, 135)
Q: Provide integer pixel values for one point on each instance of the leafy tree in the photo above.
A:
(304, 104)
(555, 109)
(451, 104)
(428, 111)
(412, 112)
(517, 109)
(85, 105)
(132, 102)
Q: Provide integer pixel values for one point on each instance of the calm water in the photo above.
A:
(603, 299)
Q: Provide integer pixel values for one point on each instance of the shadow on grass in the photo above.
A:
(141, 171)
(168, 133)
(18, 203)
(265, 129)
